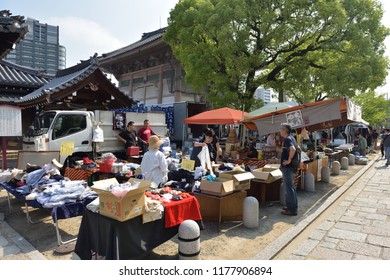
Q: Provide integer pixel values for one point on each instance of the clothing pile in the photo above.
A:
(48, 187)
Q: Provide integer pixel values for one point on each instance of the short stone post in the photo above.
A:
(310, 185)
(344, 163)
(336, 168)
(251, 212)
(325, 174)
(351, 159)
(189, 240)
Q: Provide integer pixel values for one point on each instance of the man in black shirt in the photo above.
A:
(289, 170)
(129, 136)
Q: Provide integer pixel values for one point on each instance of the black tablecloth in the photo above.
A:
(105, 236)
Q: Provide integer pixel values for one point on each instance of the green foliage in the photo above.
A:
(374, 107)
(309, 49)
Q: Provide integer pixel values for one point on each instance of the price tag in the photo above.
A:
(66, 148)
(188, 164)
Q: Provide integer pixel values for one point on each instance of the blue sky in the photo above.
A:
(89, 26)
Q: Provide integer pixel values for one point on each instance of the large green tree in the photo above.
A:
(375, 108)
(309, 49)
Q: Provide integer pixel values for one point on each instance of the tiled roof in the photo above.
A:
(12, 74)
(64, 79)
(11, 31)
(86, 78)
(146, 39)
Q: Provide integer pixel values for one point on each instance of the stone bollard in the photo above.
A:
(251, 212)
(336, 168)
(344, 163)
(310, 185)
(325, 174)
(189, 240)
(282, 195)
(351, 159)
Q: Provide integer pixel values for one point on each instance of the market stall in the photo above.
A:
(310, 117)
(106, 237)
(64, 210)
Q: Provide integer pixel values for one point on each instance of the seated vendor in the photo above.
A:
(206, 140)
(154, 165)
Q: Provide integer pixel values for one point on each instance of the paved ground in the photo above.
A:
(15, 247)
(358, 228)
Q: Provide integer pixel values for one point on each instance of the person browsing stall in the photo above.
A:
(289, 168)
(154, 165)
(205, 141)
(216, 151)
(271, 139)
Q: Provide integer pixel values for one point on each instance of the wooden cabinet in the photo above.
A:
(265, 192)
(221, 208)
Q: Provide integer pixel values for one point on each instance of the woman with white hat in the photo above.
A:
(154, 165)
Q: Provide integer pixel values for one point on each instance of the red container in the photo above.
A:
(133, 151)
(104, 167)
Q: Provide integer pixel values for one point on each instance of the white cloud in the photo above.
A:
(83, 38)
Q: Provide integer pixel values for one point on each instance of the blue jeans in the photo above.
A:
(289, 188)
(387, 151)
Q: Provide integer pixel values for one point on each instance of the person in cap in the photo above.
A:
(154, 166)
(289, 170)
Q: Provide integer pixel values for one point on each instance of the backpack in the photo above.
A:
(296, 160)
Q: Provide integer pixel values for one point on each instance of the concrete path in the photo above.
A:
(15, 247)
(358, 228)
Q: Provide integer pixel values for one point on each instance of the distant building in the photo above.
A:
(40, 48)
(264, 93)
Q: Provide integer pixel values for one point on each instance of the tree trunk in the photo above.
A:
(282, 96)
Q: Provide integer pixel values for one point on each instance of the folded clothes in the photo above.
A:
(210, 178)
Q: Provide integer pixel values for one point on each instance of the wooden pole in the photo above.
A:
(4, 152)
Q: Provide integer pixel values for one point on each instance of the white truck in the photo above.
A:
(51, 128)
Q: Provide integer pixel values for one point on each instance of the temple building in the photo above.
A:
(149, 73)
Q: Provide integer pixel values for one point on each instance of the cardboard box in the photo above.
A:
(220, 187)
(241, 179)
(121, 209)
(267, 174)
(272, 166)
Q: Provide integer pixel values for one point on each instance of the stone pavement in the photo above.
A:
(15, 247)
(359, 227)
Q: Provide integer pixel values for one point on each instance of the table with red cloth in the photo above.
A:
(105, 237)
(178, 211)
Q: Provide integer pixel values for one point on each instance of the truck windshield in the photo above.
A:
(43, 121)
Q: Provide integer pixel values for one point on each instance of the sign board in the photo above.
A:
(188, 164)
(295, 118)
(10, 121)
(66, 148)
(354, 111)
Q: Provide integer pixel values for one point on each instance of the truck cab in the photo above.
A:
(51, 128)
